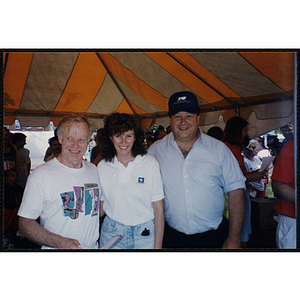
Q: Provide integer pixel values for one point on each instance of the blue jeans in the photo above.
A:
(133, 237)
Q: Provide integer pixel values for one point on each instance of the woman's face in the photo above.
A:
(245, 131)
(123, 143)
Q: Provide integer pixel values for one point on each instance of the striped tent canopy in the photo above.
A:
(40, 86)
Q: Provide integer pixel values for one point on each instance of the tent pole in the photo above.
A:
(237, 111)
(116, 84)
(153, 120)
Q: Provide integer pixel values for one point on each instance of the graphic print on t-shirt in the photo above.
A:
(68, 202)
(91, 199)
(81, 200)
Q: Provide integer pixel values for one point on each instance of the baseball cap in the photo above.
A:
(183, 101)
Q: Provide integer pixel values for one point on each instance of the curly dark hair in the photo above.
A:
(117, 124)
(233, 131)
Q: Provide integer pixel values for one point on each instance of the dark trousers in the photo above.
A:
(210, 239)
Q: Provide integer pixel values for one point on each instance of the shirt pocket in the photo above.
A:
(206, 174)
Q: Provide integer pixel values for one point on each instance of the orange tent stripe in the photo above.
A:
(278, 66)
(130, 79)
(17, 68)
(125, 108)
(9, 120)
(183, 75)
(195, 66)
(84, 83)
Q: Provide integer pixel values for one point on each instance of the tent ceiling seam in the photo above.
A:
(70, 75)
(116, 83)
(204, 81)
(52, 114)
(260, 72)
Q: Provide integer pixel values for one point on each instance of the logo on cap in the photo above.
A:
(183, 101)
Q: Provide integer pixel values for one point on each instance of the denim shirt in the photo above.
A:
(194, 186)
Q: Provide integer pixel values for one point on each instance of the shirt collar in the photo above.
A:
(171, 139)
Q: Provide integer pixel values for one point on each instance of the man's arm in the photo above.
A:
(284, 191)
(35, 232)
(236, 203)
(159, 223)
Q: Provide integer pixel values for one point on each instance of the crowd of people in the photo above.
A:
(179, 188)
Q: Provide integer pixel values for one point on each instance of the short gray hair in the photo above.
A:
(69, 121)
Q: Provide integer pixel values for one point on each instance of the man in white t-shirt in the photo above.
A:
(64, 193)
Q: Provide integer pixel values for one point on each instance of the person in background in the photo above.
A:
(19, 140)
(96, 151)
(197, 170)
(283, 184)
(132, 192)
(215, 132)
(263, 151)
(64, 193)
(288, 132)
(55, 147)
(11, 159)
(235, 132)
(49, 150)
(253, 163)
(12, 198)
(161, 133)
(274, 145)
(149, 139)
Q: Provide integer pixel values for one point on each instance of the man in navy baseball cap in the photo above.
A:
(197, 170)
(183, 101)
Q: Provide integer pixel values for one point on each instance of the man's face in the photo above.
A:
(21, 143)
(161, 134)
(56, 147)
(74, 144)
(288, 132)
(184, 126)
(12, 178)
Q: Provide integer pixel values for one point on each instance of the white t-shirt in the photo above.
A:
(65, 199)
(128, 192)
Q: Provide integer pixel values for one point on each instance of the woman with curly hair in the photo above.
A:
(132, 192)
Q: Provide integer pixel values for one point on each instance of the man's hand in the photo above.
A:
(256, 175)
(36, 233)
(232, 243)
(66, 243)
